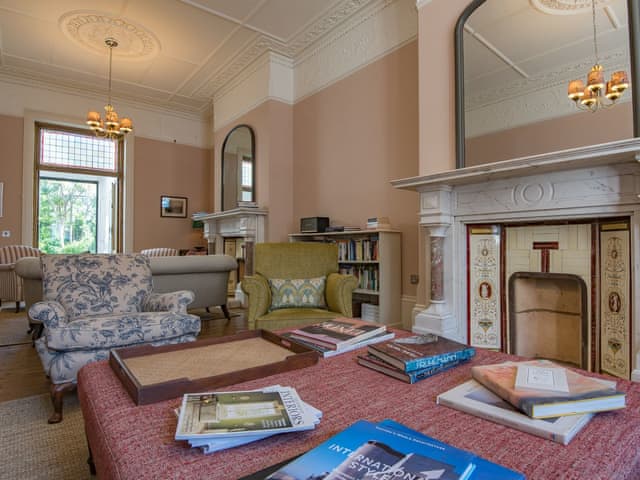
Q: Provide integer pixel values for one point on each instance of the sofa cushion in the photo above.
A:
(297, 292)
(108, 331)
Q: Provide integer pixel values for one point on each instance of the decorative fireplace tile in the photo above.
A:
(614, 299)
(484, 287)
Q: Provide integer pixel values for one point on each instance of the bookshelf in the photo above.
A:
(373, 256)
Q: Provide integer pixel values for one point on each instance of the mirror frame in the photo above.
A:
(633, 16)
(253, 170)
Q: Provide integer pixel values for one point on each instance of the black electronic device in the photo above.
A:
(314, 224)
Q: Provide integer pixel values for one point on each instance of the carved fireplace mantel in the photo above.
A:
(595, 182)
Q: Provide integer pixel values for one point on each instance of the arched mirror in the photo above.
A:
(514, 62)
(238, 168)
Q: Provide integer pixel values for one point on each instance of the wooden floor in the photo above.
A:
(21, 373)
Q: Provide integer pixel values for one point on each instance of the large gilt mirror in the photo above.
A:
(514, 62)
(238, 168)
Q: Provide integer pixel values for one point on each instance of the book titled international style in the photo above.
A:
(421, 351)
(585, 394)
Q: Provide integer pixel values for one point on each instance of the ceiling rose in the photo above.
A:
(566, 7)
(89, 28)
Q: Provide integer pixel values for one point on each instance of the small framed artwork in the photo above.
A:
(173, 206)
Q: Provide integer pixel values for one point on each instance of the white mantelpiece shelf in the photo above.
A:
(612, 153)
(245, 222)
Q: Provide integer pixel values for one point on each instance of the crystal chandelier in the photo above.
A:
(110, 126)
(592, 97)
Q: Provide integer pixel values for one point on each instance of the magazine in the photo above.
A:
(330, 352)
(366, 450)
(585, 394)
(472, 397)
(338, 333)
(421, 351)
(244, 413)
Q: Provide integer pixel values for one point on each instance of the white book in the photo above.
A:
(471, 397)
(244, 413)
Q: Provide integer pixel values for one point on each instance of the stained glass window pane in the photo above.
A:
(65, 149)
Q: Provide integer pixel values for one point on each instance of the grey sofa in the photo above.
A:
(206, 276)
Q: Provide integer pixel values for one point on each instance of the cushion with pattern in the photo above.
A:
(297, 293)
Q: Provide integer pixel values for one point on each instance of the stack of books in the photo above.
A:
(339, 335)
(386, 450)
(535, 396)
(417, 357)
(214, 421)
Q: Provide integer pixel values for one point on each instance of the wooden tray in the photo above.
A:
(151, 374)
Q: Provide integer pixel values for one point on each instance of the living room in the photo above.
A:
(342, 112)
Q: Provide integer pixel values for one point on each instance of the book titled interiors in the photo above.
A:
(230, 414)
(584, 394)
(421, 351)
(374, 451)
(338, 333)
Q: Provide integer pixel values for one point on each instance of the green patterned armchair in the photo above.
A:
(296, 284)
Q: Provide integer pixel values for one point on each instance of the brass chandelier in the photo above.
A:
(110, 126)
(597, 94)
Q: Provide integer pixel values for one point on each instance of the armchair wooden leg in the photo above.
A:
(18, 306)
(225, 310)
(57, 392)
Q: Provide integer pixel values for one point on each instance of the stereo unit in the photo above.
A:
(314, 224)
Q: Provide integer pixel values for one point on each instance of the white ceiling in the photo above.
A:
(171, 53)
(514, 47)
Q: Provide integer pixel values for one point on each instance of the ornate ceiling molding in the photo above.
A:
(90, 28)
(566, 7)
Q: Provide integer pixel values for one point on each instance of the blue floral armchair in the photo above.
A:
(93, 303)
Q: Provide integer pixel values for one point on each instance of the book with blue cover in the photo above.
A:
(421, 351)
(375, 363)
(367, 450)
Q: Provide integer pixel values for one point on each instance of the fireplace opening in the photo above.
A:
(548, 317)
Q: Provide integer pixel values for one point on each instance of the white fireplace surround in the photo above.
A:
(598, 181)
(248, 223)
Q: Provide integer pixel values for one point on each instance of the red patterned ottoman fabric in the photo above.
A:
(131, 442)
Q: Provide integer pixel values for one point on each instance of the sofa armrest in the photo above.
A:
(339, 292)
(51, 314)
(168, 302)
(257, 288)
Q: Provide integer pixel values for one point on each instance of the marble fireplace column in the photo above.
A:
(437, 317)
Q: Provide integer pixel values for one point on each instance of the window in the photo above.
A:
(78, 191)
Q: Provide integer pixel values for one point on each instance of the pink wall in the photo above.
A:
(351, 139)
(272, 124)
(11, 132)
(436, 24)
(579, 129)
(163, 168)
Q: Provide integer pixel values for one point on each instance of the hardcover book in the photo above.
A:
(421, 351)
(586, 394)
(338, 333)
(369, 451)
(244, 413)
(330, 352)
(373, 362)
(473, 398)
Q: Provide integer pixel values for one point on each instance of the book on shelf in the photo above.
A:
(338, 333)
(473, 398)
(375, 363)
(421, 351)
(330, 352)
(585, 394)
(211, 415)
(368, 450)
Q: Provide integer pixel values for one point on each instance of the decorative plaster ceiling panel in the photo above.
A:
(566, 7)
(237, 10)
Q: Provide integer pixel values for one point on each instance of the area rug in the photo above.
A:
(33, 449)
(13, 328)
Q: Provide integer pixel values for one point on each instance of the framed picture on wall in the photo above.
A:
(173, 206)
